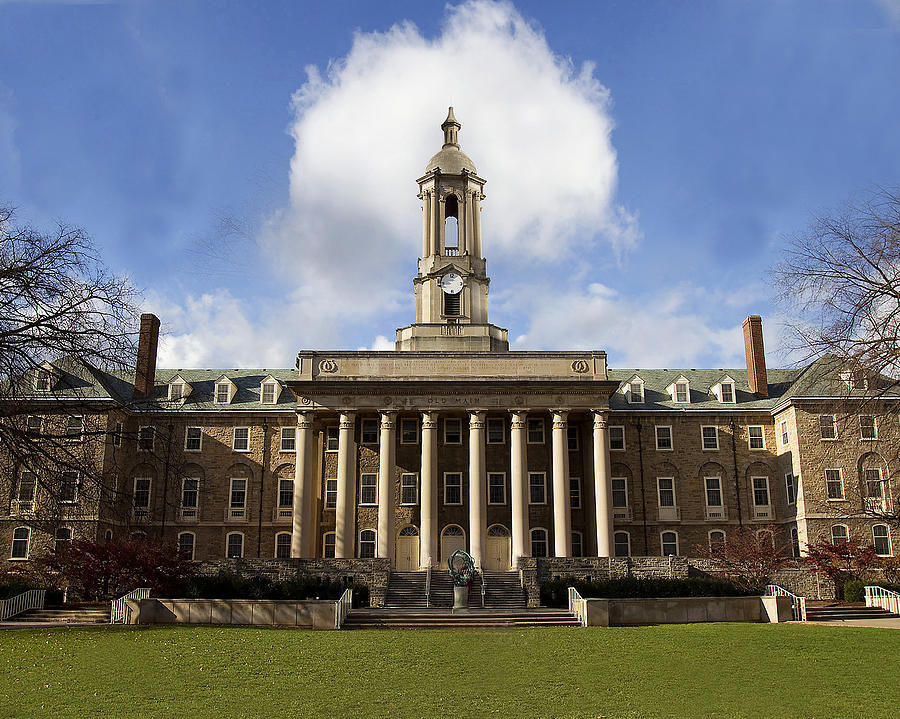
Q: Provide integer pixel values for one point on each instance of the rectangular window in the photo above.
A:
(760, 491)
(535, 431)
(575, 492)
(681, 391)
(834, 484)
(176, 391)
(636, 393)
(223, 393)
(409, 488)
(496, 488)
(328, 545)
(452, 488)
(234, 548)
(790, 489)
(827, 428)
(268, 393)
(33, 426)
(238, 498)
(867, 428)
(577, 548)
(756, 437)
(537, 488)
(409, 431)
(713, 491)
(42, 380)
(620, 541)
(663, 437)
(619, 492)
(75, 429)
(617, 438)
(666, 488)
(452, 431)
(882, 540)
(68, 488)
(331, 439)
(368, 488)
(27, 487)
(142, 492)
(288, 439)
(330, 493)
(369, 431)
(146, 438)
(189, 493)
(784, 433)
(285, 492)
(241, 442)
(117, 435)
(496, 430)
(710, 435)
(874, 485)
(193, 439)
(20, 542)
(572, 438)
(727, 392)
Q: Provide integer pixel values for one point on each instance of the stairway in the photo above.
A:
(445, 619)
(840, 612)
(504, 591)
(405, 589)
(83, 614)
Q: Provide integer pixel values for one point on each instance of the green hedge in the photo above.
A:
(13, 587)
(228, 585)
(854, 589)
(554, 592)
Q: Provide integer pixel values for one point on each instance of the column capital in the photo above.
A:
(559, 418)
(476, 418)
(601, 418)
(429, 419)
(347, 420)
(305, 420)
(388, 418)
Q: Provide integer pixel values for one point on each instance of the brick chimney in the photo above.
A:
(145, 372)
(756, 356)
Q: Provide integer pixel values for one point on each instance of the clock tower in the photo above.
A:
(452, 285)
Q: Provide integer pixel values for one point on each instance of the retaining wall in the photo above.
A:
(686, 610)
(305, 614)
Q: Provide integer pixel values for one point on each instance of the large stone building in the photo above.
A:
(452, 441)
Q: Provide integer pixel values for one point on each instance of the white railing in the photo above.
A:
(20, 508)
(798, 604)
(118, 611)
(188, 514)
(483, 588)
(451, 252)
(342, 608)
(716, 513)
(32, 599)
(283, 515)
(235, 514)
(884, 598)
(578, 606)
(428, 585)
(621, 514)
(762, 511)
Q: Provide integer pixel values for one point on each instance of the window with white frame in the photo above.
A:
(75, 429)
(790, 488)
(710, 436)
(190, 495)
(328, 544)
(369, 431)
(142, 494)
(621, 544)
(186, 541)
(368, 488)
(537, 488)
(234, 545)
(283, 545)
(716, 541)
(713, 491)
(617, 438)
(241, 439)
(452, 430)
(756, 438)
(288, 439)
(117, 435)
(452, 488)
(409, 431)
(42, 380)
(285, 492)
(62, 539)
(269, 395)
(223, 393)
(577, 545)
(874, 485)
(881, 538)
(193, 439)
(496, 430)
(635, 392)
(727, 392)
(146, 439)
(666, 491)
(496, 487)
(367, 544)
(21, 541)
(867, 428)
(784, 432)
(238, 494)
(538, 542)
(575, 493)
(682, 393)
(332, 440)
(827, 427)
(330, 493)
(839, 534)
(33, 425)
(27, 487)
(535, 431)
(760, 491)
(619, 492)
(68, 487)
(409, 488)
(663, 437)
(176, 391)
(669, 543)
(834, 484)
(572, 437)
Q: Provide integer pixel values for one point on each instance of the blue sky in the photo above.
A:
(252, 165)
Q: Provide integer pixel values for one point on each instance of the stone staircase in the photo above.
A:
(81, 614)
(504, 591)
(840, 612)
(406, 589)
(446, 619)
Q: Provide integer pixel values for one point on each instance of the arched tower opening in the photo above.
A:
(451, 225)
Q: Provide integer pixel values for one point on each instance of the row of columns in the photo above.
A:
(302, 541)
(434, 222)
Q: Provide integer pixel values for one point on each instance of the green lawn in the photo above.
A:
(711, 670)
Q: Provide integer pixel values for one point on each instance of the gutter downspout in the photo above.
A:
(643, 497)
(262, 483)
(737, 485)
(162, 528)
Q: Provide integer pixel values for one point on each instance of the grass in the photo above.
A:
(709, 670)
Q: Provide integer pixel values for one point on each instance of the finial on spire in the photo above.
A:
(451, 127)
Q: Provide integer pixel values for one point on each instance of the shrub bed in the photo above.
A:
(228, 585)
(854, 589)
(554, 592)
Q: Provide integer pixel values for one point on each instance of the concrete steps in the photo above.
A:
(445, 619)
(840, 612)
(406, 589)
(503, 591)
(89, 614)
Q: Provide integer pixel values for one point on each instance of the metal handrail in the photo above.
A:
(31, 599)
(483, 588)
(798, 604)
(118, 610)
(428, 585)
(578, 606)
(884, 598)
(342, 608)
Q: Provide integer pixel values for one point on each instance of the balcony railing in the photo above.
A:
(669, 514)
(188, 514)
(621, 514)
(716, 514)
(763, 512)
(236, 514)
(140, 514)
(283, 515)
(451, 252)
(17, 508)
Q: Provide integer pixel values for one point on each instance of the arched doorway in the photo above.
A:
(498, 549)
(408, 549)
(452, 538)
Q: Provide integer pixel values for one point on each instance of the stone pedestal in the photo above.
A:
(460, 599)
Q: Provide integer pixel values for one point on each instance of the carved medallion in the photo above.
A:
(328, 366)
(580, 366)
(305, 400)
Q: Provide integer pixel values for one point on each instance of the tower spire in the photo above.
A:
(451, 128)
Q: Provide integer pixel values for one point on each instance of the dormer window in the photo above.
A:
(178, 389)
(680, 391)
(724, 390)
(727, 392)
(855, 380)
(225, 390)
(42, 380)
(270, 390)
(634, 391)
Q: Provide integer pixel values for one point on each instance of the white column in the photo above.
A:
(476, 222)
(562, 511)
(477, 491)
(426, 224)
(428, 492)
(518, 487)
(602, 486)
(386, 463)
(345, 509)
(301, 533)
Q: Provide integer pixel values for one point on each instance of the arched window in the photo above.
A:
(881, 538)
(409, 531)
(283, 545)
(367, 544)
(186, 545)
(716, 542)
(669, 542)
(20, 543)
(621, 544)
(234, 545)
(328, 540)
(62, 539)
(451, 225)
(108, 535)
(839, 534)
(497, 530)
(453, 530)
(538, 542)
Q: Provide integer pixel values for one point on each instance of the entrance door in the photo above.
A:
(498, 545)
(408, 549)
(452, 539)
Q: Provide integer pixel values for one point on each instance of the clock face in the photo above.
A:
(452, 283)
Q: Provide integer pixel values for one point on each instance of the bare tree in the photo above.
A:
(747, 556)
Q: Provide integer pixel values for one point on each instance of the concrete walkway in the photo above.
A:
(873, 623)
